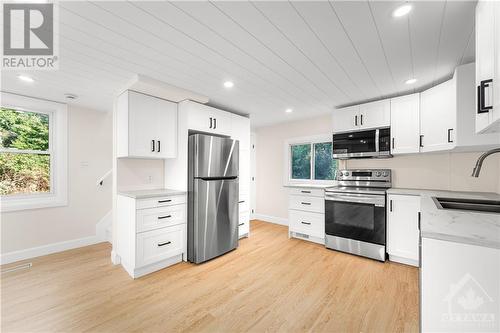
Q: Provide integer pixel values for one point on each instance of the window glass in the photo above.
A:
(324, 165)
(301, 161)
(24, 157)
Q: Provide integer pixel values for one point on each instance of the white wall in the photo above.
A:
(448, 171)
(89, 158)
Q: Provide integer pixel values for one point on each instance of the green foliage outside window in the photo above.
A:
(325, 166)
(22, 171)
(301, 161)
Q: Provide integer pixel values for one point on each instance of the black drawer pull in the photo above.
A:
(159, 145)
(449, 135)
(308, 223)
(305, 191)
(152, 145)
(242, 201)
(163, 244)
(163, 201)
(164, 217)
(239, 225)
(306, 203)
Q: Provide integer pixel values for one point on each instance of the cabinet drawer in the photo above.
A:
(159, 244)
(155, 218)
(243, 224)
(312, 224)
(313, 192)
(243, 205)
(307, 203)
(161, 201)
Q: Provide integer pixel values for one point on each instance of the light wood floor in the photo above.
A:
(270, 283)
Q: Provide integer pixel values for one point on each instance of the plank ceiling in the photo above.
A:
(308, 56)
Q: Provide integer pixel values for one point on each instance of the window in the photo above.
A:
(33, 136)
(311, 159)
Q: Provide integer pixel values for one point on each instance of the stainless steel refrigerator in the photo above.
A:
(212, 196)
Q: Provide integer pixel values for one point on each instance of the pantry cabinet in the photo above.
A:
(403, 228)
(405, 124)
(207, 119)
(146, 126)
(360, 117)
(487, 67)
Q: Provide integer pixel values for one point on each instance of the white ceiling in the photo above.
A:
(308, 56)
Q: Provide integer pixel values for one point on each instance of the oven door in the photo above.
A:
(355, 144)
(356, 216)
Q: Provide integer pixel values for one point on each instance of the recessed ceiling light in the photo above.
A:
(411, 81)
(288, 110)
(25, 78)
(228, 84)
(401, 10)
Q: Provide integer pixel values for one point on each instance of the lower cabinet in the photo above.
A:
(459, 287)
(306, 214)
(152, 233)
(403, 228)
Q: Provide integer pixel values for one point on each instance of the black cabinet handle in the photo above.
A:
(308, 223)
(163, 244)
(159, 147)
(449, 135)
(239, 225)
(419, 218)
(215, 123)
(163, 201)
(392, 143)
(242, 201)
(361, 119)
(481, 107)
(210, 122)
(164, 217)
(355, 120)
(152, 145)
(306, 203)
(421, 141)
(390, 205)
(305, 191)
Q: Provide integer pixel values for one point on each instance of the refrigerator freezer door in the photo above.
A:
(213, 157)
(213, 224)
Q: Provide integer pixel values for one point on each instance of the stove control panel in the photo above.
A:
(381, 175)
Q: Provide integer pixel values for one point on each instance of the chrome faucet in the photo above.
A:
(479, 162)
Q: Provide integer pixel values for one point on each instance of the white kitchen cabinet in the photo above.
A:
(345, 119)
(207, 119)
(459, 287)
(403, 228)
(240, 130)
(438, 117)
(405, 124)
(487, 67)
(375, 114)
(151, 232)
(146, 126)
(306, 214)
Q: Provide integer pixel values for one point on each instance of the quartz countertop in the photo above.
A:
(468, 227)
(144, 194)
(318, 186)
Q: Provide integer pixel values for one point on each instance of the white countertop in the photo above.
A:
(144, 194)
(474, 228)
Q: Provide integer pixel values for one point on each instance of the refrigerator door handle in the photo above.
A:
(217, 178)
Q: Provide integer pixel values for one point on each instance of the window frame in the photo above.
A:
(310, 140)
(58, 151)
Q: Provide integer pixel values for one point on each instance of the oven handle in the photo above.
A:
(356, 198)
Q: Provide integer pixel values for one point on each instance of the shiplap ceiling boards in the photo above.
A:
(306, 56)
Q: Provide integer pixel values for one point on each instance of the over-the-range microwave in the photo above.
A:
(372, 143)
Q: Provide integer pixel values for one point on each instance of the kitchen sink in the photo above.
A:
(473, 205)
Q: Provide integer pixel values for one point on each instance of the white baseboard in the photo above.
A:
(38, 251)
(271, 219)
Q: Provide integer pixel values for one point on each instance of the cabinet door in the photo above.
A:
(166, 131)
(485, 55)
(142, 125)
(345, 119)
(221, 122)
(405, 124)
(244, 172)
(402, 226)
(438, 117)
(375, 114)
(207, 119)
(240, 130)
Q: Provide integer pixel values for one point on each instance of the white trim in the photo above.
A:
(271, 219)
(405, 261)
(58, 149)
(43, 250)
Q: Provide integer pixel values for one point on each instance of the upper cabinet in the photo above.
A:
(207, 119)
(360, 117)
(487, 67)
(146, 126)
(405, 124)
(240, 128)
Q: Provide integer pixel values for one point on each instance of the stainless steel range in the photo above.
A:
(355, 214)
